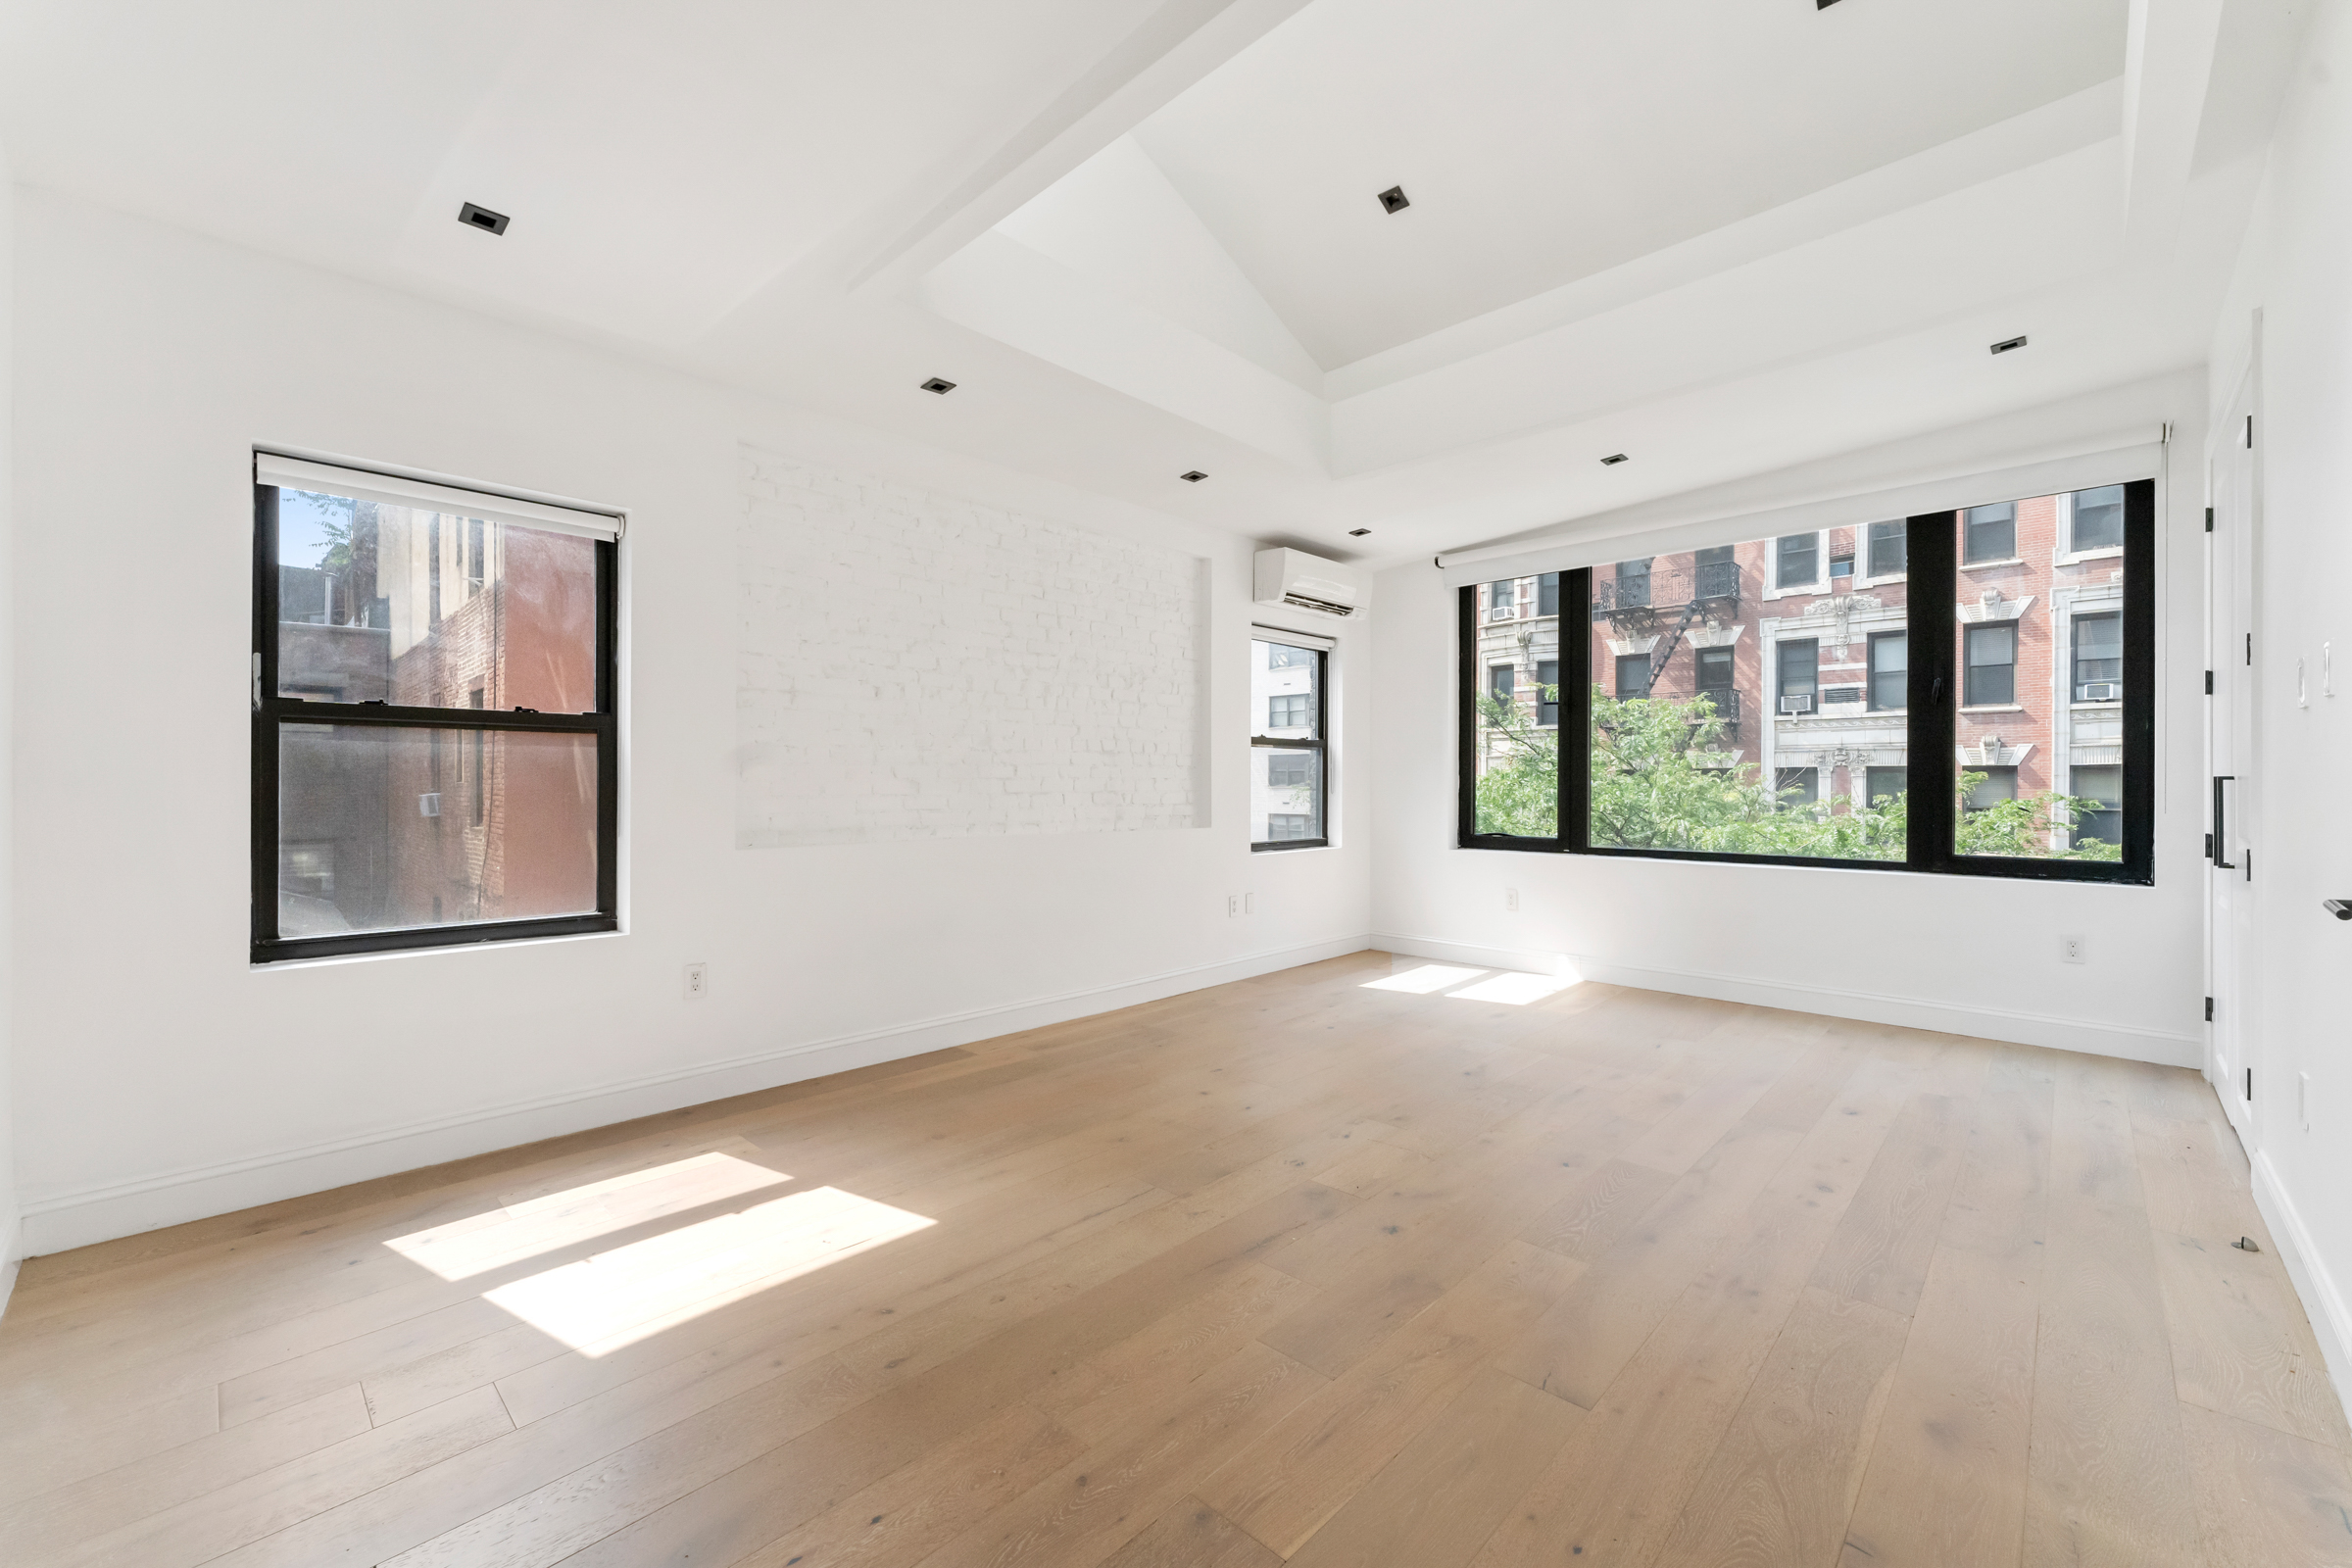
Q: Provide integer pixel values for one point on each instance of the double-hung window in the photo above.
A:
(1981, 706)
(434, 730)
(1289, 750)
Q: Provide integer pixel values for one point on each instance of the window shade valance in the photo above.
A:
(301, 473)
(1528, 558)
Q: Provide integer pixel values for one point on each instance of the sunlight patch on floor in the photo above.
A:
(1516, 988)
(464, 1248)
(1423, 980)
(615, 1298)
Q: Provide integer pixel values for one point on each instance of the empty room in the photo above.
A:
(802, 785)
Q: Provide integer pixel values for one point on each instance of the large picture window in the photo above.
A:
(1289, 749)
(1975, 703)
(433, 715)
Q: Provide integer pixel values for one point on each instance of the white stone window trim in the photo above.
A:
(2067, 555)
(1820, 567)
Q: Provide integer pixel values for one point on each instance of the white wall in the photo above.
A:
(172, 1080)
(1971, 956)
(10, 1238)
(2297, 258)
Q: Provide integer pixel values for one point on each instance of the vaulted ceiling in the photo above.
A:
(1720, 235)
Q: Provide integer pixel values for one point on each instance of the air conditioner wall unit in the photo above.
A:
(2102, 691)
(1309, 582)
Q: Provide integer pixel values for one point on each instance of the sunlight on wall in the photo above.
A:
(1425, 979)
(1516, 988)
(615, 1298)
(464, 1248)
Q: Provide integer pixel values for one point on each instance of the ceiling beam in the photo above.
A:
(2167, 67)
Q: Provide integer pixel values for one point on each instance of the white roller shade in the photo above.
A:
(327, 478)
(2052, 476)
(1293, 639)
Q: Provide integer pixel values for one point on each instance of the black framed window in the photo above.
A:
(1889, 669)
(1938, 756)
(1547, 693)
(1888, 542)
(1797, 661)
(1992, 656)
(1633, 675)
(1988, 533)
(1290, 776)
(1796, 561)
(434, 726)
(2098, 520)
(2099, 658)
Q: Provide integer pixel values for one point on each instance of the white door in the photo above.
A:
(2234, 1037)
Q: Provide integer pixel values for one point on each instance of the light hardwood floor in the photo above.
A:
(1295, 1269)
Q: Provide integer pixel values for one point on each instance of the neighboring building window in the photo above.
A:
(1548, 691)
(1841, 567)
(2099, 658)
(1796, 561)
(1991, 676)
(1633, 675)
(1889, 669)
(2105, 785)
(1502, 682)
(2098, 520)
(1999, 784)
(371, 702)
(1504, 598)
(1888, 544)
(1800, 661)
(1805, 782)
(1288, 758)
(1921, 673)
(1547, 594)
(1633, 585)
(1988, 533)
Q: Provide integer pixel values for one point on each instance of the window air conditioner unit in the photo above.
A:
(1502, 612)
(430, 805)
(1796, 704)
(1309, 582)
(2102, 691)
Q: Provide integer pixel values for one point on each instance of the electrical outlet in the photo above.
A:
(1510, 900)
(1232, 904)
(2073, 949)
(698, 980)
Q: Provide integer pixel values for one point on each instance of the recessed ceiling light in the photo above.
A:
(2008, 343)
(1823, 4)
(483, 218)
(1192, 476)
(1613, 459)
(935, 384)
(1357, 533)
(1393, 200)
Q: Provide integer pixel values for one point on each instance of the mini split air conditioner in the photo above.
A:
(1309, 582)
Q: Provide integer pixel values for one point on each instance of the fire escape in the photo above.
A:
(1666, 603)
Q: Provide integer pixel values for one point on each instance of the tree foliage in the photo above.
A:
(1656, 784)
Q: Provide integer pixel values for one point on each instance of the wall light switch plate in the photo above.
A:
(1248, 904)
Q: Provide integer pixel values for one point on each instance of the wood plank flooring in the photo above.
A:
(1300, 1269)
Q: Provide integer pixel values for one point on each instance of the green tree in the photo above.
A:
(1656, 784)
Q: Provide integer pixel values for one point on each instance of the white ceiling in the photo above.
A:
(1544, 140)
(1724, 235)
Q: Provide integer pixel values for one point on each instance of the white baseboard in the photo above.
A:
(1984, 1023)
(56, 1221)
(10, 1234)
(2323, 1302)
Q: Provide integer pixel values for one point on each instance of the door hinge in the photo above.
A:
(2209, 845)
(2249, 650)
(2209, 519)
(2249, 432)
(2248, 852)
(2209, 683)
(2209, 1010)
(2250, 1083)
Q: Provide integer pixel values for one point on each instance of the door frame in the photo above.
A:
(2232, 717)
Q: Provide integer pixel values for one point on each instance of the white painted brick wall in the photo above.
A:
(917, 665)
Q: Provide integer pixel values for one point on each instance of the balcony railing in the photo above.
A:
(1667, 590)
(1727, 711)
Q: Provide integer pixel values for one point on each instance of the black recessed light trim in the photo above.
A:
(1612, 460)
(1823, 4)
(1357, 533)
(1192, 476)
(484, 219)
(935, 384)
(2008, 343)
(1395, 200)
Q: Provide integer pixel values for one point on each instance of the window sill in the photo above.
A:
(2097, 708)
(1992, 707)
(1990, 566)
(1284, 845)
